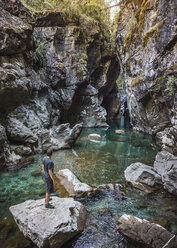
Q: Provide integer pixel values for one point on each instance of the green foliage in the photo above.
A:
(171, 85)
(129, 35)
(81, 65)
(39, 55)
(120, 84)
(40, 61)
(152, 32)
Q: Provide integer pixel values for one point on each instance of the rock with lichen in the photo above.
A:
(146, 40)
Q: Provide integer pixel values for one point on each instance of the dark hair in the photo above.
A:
(49, 152)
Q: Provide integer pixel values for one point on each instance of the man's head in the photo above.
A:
(49, 152)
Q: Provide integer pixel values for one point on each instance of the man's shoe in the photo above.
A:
(49, 206)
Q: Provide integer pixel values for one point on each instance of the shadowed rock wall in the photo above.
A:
(55, 73)
(146, 41)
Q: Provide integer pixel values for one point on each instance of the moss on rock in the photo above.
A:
(152, 32)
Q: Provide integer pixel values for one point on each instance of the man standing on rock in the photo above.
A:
(48, 168)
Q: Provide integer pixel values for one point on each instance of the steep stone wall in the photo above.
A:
(146, 42)
(55, 73)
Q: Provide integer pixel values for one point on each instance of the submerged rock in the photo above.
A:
(119, 131)
(50, 227)
(141, 174)
(94, 137)
(146, 233)
(166, 166)
(71, 183)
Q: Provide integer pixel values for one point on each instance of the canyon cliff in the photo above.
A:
(146, 43)
(56, 77)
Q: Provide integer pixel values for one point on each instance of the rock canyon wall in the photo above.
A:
(55, 73)
(146, 42)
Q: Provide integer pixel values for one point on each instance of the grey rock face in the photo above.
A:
(17, 8)
(3, 138)
(145, 233)
(59, 137)
(19, 132)
(15, 86)
(16, 34)
(168, 139)
(53, 76)
(72, 183)
(146, 41)
(139, 173)
(50, 227)
(166, 165)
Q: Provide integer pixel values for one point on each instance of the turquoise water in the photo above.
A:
(95, 163)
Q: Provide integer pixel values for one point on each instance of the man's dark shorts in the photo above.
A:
(49, 185)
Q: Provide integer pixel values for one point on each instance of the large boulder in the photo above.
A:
(146, 233)
(71, 183)
(19, 132)
(166, 165)
(50, 227)
(141, 174)
(62, 136)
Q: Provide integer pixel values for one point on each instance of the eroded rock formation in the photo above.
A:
(146, 41)
(55, 73)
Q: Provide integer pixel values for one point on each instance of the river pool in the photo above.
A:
(95, 163)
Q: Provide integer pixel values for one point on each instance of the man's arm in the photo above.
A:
(42, 168)
(51, 175)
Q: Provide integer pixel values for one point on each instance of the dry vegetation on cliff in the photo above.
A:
(140, 8)
(88, 12)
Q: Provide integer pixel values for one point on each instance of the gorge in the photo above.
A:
(64, 73)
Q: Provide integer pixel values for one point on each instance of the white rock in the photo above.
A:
(94, 137)
(50, 227)
(140, 173)
(72, 183)
(119, 131)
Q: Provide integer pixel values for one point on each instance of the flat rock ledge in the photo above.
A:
(148, 234)
(72, 184)
(50, 227)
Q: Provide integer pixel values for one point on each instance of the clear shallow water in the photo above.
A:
(95, 164)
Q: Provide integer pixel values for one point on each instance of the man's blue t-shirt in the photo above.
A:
(48, 165)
